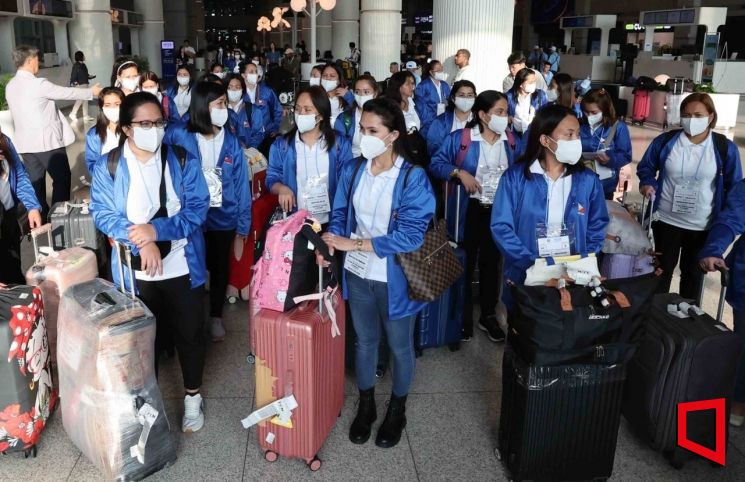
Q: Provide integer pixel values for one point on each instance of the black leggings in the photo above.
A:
(58, 165)
(10, 248)
(179, 315)
(219, 245)
(673, 242)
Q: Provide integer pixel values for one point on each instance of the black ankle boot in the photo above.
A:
(394, 423)
(361, 427)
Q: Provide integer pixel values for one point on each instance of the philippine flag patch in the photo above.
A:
(580, 209)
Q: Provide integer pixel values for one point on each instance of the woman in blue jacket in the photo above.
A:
(561, 91)
(431, 95)
(15, 187)
(335, 84)
(476, 157)
(225, 171)
(728, 225)
(456, 115)
(382, 208)
(156, 202)
(305, 164)
(603, 134)
(347, 124)
(524, 101)
(690, 172)
(549, 204)
(179, 96)
(245, 121)
(103, 137)
(262, 97)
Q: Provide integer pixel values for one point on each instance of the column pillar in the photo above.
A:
(323, 31)
(90, 32)
(648, 38)
(380, 34)
(346, 16)
(7, 38)
(177, 27)
(152, 32)
(60, 42)
(484, 27)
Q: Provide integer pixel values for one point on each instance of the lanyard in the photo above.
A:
(488, 152)
(215, 154)
(704, 146)
(305, 158)
(600, 130)
(550, 186)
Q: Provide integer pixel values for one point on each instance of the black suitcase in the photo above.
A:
(680, 360)
(559, 422)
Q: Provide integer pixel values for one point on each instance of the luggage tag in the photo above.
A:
(173, 206)
(213, 176)
(146, 415)
(685, 197)
(554, 239)
(357, 262)
(316, 195)
(280, 409)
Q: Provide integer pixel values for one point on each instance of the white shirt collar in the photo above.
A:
(321, 142)
(536, 168)
(685, 142)
(391, 173)
(130, 156)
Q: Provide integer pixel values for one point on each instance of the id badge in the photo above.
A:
(357, 262)
(173, 206)
(441, 108)
(213, 177)
(489, 185)
(685, 197)
(553, 240)
(316, 195)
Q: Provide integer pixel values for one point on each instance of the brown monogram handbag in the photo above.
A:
(431, 269)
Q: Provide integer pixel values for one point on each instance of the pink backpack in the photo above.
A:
(288, 264)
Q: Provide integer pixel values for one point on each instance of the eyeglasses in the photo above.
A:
(147, 125)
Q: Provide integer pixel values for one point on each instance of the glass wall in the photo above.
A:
(39, 33)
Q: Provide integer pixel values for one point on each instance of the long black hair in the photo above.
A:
(392, 117)
(122, 63)
(320, 99)
(456, 87)
(519, 81)
(564, 89)
(129, 106)
(176, 85)
(237, 77)
(484, 102)
(394, 85)
(5, 151)
(102, 122)
(199, 110)
(545, 122)
(428, 68)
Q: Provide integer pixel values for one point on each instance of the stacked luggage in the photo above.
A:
(27, 395)
(629, 246)
(112, 408)
(73, 226)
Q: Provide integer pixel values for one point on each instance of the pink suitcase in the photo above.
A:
(616, 266)
(56, 271)
(297, 354)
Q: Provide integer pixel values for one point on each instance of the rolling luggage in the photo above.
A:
(642, 101)
(559, 422)
(629, 245)
(112, 408)
(27, 395)
(73, 226)
(300, 367)
(683, 356)
(56, 272)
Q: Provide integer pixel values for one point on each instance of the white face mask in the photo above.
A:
(329, 85)
(314, 81)
(153, 91)
(183, 80)
(220, 75)
(498, 123)
(529, 88)
(305, 122)
(371, 146)
(441, 76)
(464, 104)
(552, 95)
(130, 84)
(694, 126)
(111, 113)
(234, 95)
(568, 152)
(361, 99)
(148, 139)
(252, 78)
(593, 119)
(218, 117)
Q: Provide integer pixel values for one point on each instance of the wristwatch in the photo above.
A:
(358, 245)
(454, 173)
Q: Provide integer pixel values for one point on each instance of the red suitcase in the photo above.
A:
(641, 106)
(297, 354)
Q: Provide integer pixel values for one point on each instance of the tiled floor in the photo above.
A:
(453, 412)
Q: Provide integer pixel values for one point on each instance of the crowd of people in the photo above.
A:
(523, 168)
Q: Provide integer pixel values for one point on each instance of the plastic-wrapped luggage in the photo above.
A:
(629, 246)
(27, 395)
(54, 273)
(112, 408)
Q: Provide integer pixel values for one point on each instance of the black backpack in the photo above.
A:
(720, 141)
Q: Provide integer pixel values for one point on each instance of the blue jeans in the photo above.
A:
(739, 325)
(368, 301)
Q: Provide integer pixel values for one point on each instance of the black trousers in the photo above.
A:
(673, 243)
(219, 244)
(179, 315)
(10, 248)
(478, 244)
(57, 164)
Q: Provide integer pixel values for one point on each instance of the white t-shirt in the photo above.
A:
(458, 124)
(312, 163)
(112, 141)
(209, 149)
(372, 200)
(694, 165)
(491, 157)
(143, 201)
(558, 193)
(357, 137)
(411, 117)
(6, 196)
(182, 100)
(466, 73)
(336, 108)
(524, 112)
(251, 94)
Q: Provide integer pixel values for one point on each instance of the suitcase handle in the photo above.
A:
(35, 233)
(457, 206)
(722, 293)
(128, 257)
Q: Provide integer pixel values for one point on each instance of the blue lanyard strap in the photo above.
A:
(704, 146)
(550, 188)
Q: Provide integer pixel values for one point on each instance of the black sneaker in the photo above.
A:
(492, 329)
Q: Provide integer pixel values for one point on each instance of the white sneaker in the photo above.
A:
(736, 420)
(73, 117)
(193, 413)
(217, 330)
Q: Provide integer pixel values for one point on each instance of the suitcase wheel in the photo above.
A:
(498, 453)
(454, 346)
(232, 300)
(30, 451)
(251, 359)
(418, 352)
(270, 456)
(314, 464)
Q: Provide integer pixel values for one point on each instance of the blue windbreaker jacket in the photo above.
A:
(619, 150)
(20, 183)
(426, 99)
